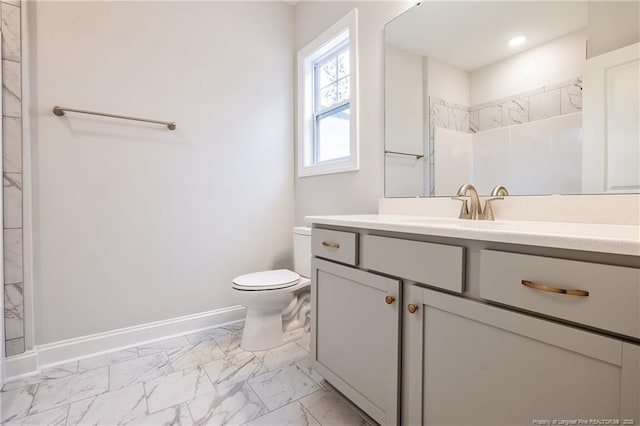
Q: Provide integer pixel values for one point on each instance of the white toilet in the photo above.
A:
(266, 294)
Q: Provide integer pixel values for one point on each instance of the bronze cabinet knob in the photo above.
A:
(412, 308)
(389, 299)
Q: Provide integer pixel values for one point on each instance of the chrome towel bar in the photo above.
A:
(59, 111)
(418, 156)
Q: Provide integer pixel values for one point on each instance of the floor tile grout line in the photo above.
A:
(190, 413)
(259, 398)
(33, 399)
(146, 397)
(308, 411)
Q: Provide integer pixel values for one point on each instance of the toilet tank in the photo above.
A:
(302, 250)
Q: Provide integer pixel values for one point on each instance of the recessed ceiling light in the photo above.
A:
(517, 41)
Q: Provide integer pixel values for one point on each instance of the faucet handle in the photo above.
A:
(464, 211)
(488, 210)
(500, 190)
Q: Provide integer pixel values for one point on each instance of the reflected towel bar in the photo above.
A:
(418, 156)
(59, 111)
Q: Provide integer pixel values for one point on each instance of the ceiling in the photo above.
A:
(472, 34)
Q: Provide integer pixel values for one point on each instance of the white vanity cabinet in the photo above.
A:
(469, 363)
(430, 330)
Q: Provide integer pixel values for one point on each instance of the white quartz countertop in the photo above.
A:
(616, 239)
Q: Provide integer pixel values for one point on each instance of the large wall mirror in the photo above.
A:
(542, 97)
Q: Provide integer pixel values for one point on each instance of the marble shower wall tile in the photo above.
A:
(12, 185)
(489, 118)
(515, 112)
(448, 115)
(544, 105)
(12, 256)
(14, 311)
(474, 121)
(10, 21)
(12, 141)
(11, 32)
(12, 89)
(14, 346)
(571, 98)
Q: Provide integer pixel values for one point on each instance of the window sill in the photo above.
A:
(327, 169)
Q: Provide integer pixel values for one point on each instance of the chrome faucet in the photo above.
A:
(475, 212)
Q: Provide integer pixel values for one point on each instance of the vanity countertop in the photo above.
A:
(615, 239)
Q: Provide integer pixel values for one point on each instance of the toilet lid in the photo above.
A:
(266, 280)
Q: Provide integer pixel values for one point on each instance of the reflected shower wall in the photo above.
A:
(541, 157)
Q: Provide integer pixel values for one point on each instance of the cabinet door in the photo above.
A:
(355, 336)
(468, 363)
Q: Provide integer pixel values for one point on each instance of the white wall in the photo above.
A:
(448, 82)
(133, 222)
(403, 89)
(404, 125)
(612, 25)
(553, 62)
(354, 192)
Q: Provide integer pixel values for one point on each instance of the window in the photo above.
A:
(327, 101)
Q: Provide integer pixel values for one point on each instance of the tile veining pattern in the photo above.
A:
(203, 379)
(538, 104)
(10, 12)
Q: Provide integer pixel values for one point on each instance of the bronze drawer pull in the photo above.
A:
(412, 308)
(389, 299)
(542, 287)
(331, 245)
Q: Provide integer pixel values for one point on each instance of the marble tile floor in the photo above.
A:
(199, 379)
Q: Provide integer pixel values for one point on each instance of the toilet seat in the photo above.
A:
(266, 280)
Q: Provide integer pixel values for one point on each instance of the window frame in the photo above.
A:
(326, 43)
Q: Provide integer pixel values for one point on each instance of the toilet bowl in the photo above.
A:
(266, 294)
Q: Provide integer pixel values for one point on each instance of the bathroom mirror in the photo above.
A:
(542, 97)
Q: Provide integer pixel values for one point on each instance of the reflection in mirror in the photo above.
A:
(541, 97)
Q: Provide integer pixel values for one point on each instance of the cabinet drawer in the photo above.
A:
(335, 245)
(601, 296)
(438, 265)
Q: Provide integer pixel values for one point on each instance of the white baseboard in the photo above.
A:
(82, 347)
(21, 365)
